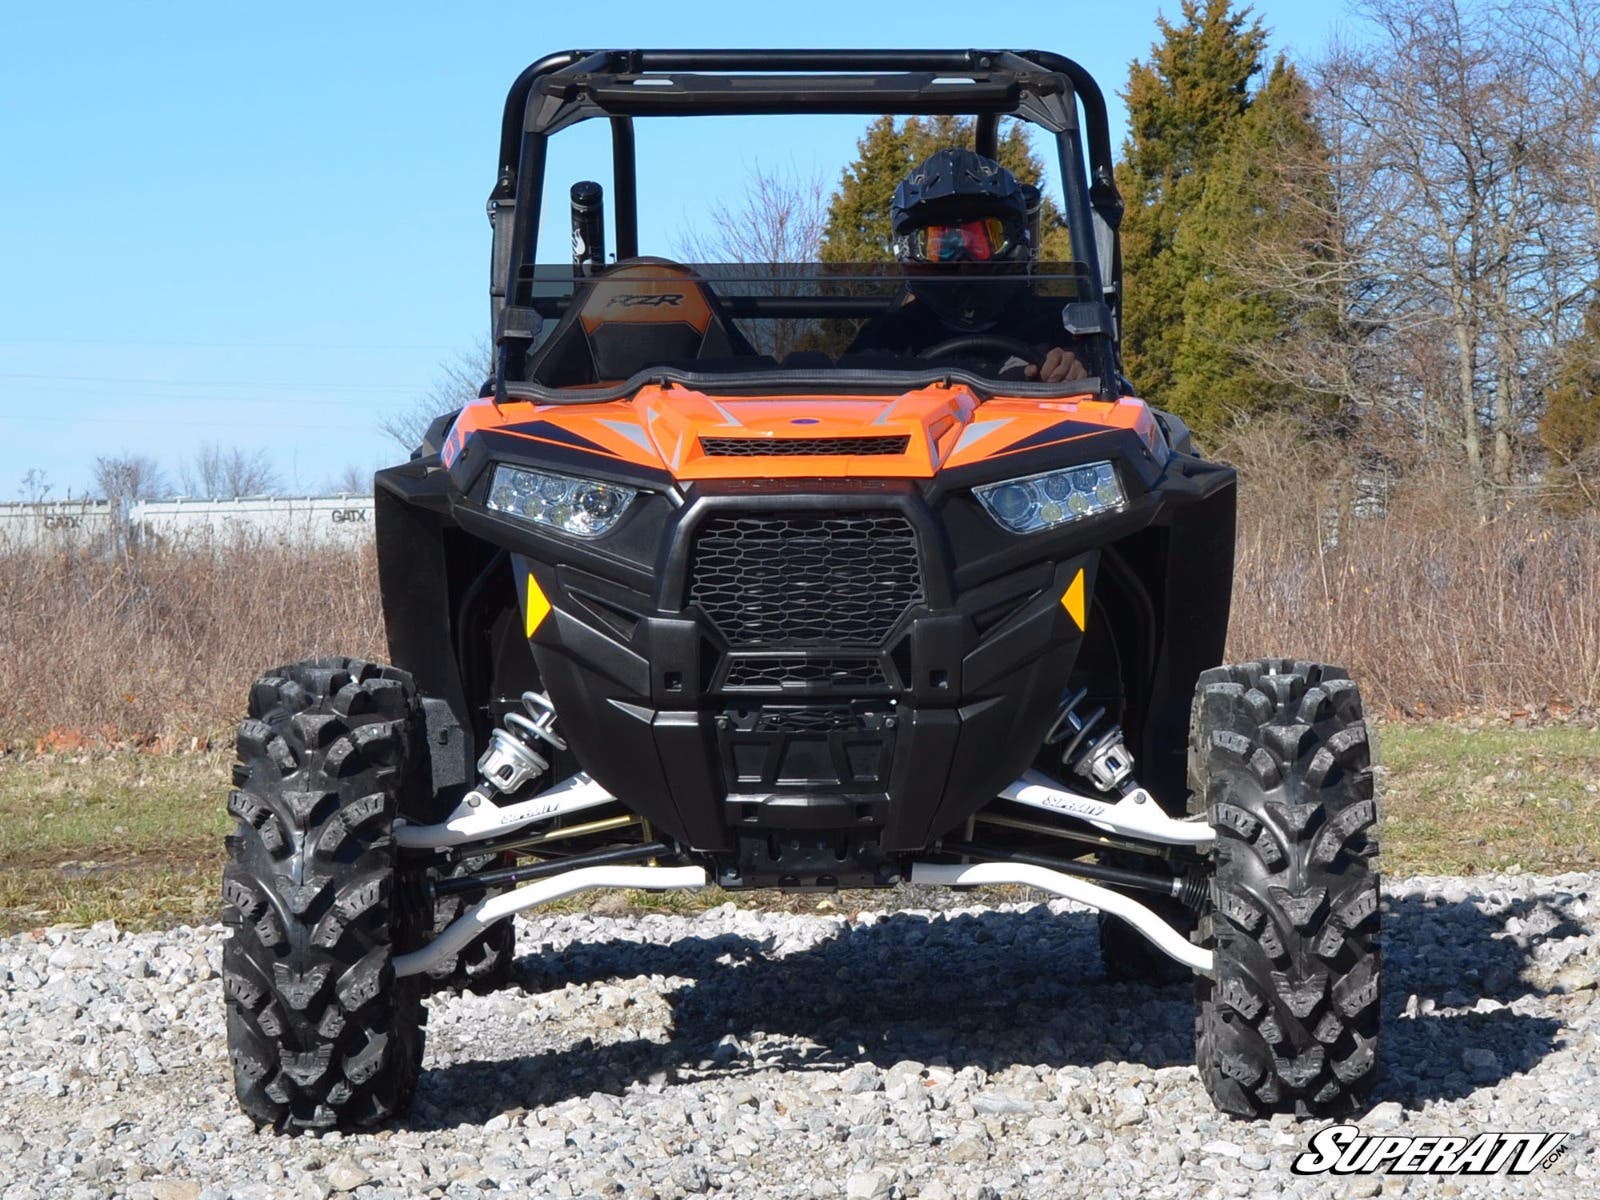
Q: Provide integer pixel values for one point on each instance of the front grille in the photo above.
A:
(760, 674)
(807, 720)
(838, 580)
(761, 447)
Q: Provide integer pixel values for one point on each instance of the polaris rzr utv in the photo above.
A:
(700, 593)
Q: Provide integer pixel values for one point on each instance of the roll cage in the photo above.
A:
(561, 90)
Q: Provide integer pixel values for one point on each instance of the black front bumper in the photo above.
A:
(840, 671)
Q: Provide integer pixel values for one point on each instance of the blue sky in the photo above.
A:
(262, 226)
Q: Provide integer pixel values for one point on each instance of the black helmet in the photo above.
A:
(962, 216)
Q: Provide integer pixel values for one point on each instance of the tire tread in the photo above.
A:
(320, 1032)
(1280, 762)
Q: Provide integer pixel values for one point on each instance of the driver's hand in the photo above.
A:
(1060, 366)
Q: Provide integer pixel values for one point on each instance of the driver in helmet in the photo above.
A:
(961, 232)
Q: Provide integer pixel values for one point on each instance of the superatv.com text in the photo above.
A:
(1345, 1150)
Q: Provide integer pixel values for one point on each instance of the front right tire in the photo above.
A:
(1280, 762)
(321, 1032)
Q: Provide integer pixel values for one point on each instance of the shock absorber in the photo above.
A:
(1102, 759)
(1097, 753)
(513, 758)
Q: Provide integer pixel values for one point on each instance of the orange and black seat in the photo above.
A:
(641, 313)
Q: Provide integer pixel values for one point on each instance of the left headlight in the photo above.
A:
(582, 508)
(1041, 501)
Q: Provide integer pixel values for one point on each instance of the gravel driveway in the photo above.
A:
(969, 1052)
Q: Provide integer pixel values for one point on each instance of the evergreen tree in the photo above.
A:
(1256, 305)
(857, 228)
(1570, 427)
(858, 214)
(1182, 103)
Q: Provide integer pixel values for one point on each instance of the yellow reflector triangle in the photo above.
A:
(1071, 600)
(538, 606)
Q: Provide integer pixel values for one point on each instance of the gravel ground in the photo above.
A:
(968, 1053)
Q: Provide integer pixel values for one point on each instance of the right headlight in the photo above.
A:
(1052, 498)
(582, 508)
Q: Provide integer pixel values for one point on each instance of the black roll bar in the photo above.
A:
(572, 85)
(624, 187)
(635, 62)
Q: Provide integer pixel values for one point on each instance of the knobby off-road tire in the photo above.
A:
(1279, 759)
(321, 1032)
(483, 964)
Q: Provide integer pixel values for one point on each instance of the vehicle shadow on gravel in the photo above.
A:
(1444, 959)
(989, 989)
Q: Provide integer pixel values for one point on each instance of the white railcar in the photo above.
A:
(53, 525)
(342, 520)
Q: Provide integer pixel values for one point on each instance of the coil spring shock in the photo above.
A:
(1104, 761)
(513, 758)
(1107, 764)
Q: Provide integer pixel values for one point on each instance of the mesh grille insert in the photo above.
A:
(807, 720)
(764, 673)
(766, 447)
(838, 580)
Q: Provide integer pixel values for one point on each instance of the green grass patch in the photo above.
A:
(132, 837)
(1460, 800)
(137, 838)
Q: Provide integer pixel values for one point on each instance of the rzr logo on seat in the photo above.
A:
(646, 300)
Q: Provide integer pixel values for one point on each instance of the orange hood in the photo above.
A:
(693, 435)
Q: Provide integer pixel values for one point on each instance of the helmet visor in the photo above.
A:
(977, 239)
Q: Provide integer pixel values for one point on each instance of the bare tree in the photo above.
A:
(460, 380)
(1456, 131)
(34, 487)
(770, 232)
(223, 473)
(1562, 40)
(123, 480)
(779, 219)
(352, 481)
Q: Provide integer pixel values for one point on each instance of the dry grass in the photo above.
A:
(162, 645)
(1434, 611)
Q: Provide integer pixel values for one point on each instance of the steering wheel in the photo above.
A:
(983, 345)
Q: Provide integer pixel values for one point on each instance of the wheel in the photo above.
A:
(320, 1031)
(484, 963)
(1279, 759)
(1127, 954)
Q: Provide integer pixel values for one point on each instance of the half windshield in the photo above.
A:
(705, 322)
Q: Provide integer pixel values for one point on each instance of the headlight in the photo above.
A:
(577, 507)
(1054, 498)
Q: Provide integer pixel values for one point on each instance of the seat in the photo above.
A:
(640, 313)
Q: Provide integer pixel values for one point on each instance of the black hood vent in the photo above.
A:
(784, 447)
